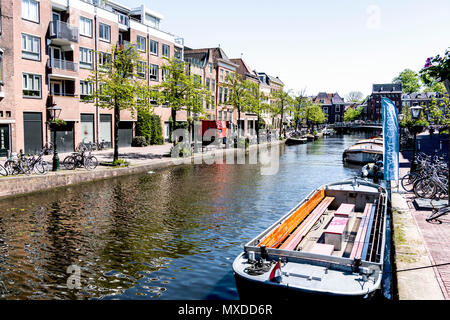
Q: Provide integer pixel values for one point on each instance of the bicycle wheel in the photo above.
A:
(3, 171)
(425, 188)
(69, 163)
(93, 162)
(437, 213)
(41, 167)
(408, 181)
(10, 166)
(25, 168)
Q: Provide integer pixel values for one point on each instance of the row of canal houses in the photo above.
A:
(48, 48)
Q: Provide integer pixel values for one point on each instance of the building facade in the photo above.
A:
(392, 91)
(332, 105)
(49, 49)
(271, 84)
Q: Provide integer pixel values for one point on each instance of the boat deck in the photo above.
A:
(316, 234)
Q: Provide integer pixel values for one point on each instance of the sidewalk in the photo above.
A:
(419, 243)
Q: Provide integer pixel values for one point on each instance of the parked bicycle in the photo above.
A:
(17, 164)
(37, 163)
(437, 213)
(81, 159)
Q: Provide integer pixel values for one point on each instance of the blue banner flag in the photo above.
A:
(390, 137)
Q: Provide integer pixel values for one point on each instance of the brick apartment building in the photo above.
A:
(332, 105)
(48, 50)
(215, 66)
(248, 120)
(392, 91)
(268, 85)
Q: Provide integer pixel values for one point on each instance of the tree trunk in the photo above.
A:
(239, 122)
(116, 132)
(257, 130)
(174, 121)
(447, 85)
(281, 121)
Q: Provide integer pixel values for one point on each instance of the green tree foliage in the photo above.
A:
(181, 90)
(353, 113)
(240, 95)
(407, 121)
(313, 114)
(256, 104)
(283, 102)
(149, 126)
(301, 100)
(437, 69)
(409, 80)
(119, 86)
(156, 130)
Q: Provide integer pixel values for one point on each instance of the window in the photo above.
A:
(225, 97)
(325, 109)
(213, 85)
(141, 43)
(220, 95)
(165, 74)
(338, 108)
(30, 10)
(178, 53)
(104, 32)
(31, 85)
(153, 47)
(141, 69)
(85, 27)
(154, 69)
(86, 88)
(221, 75)
(227, 75)
(31, 47)
(210, 67)
(207, 83)
(166, 50)
(104, 61)
(85, 58)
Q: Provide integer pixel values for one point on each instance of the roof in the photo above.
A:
(387, 87)
(328, 98)
(269, 78)
(217, 54)
(244, 69)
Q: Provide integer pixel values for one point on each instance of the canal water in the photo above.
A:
(171, 234)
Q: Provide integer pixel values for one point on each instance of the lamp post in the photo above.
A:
(54, 111)
(415, 115)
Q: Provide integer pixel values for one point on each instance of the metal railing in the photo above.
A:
(62, 30)
(63, 65)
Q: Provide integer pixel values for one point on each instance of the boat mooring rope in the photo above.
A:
(419, 268)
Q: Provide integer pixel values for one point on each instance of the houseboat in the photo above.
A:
(331, 244)
(363, 152)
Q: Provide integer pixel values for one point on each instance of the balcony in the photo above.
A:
(124, 21)
(62, 33)
(62, 69)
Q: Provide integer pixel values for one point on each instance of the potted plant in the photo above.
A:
(437, 69)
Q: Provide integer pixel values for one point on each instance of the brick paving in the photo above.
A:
(436, 236)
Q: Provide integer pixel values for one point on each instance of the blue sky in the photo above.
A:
(322, 45)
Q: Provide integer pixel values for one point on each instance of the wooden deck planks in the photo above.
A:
(294, 239)
(360, 236)
(282, 231)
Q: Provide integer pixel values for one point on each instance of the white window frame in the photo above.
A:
(152, 43)
(86, 88)
(102, 60)
(139, 43)
(32, 81)
(141, 69)
(102, 27)
(168, 50)
(152, 69)
(31, 47)
(26, 10)
(86, 53)
(83, 30)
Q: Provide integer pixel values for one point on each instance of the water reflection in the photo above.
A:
(169, 235)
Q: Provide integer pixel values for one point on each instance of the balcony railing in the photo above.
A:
(62, 30)
(63, 65)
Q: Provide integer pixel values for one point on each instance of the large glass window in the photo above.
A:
(104, 32)
(154, 69)
(86, 88)
(166, 50)
(154, 47)
(31, 85)
(141, 43)
(31, 47)
(85, 27)
(30, 10)
(85, 58)
(104, 61)
(141, 69)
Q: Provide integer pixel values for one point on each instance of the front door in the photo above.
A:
(32, 131)
(4, 140)
(57, 57)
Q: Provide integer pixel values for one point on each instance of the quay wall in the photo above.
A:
(17, 185)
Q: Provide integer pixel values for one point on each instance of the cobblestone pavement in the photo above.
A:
(436, 236)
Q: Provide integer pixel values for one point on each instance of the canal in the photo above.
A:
(170, 234)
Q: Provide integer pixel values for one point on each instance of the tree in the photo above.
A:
(313, 114)
(437, 69)
(409, 80)
(301, 100)
(239, 96)
(181, 91)
(353, 113)
(283, 101)
(354, 96)
(256, 104)
(119, 86)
